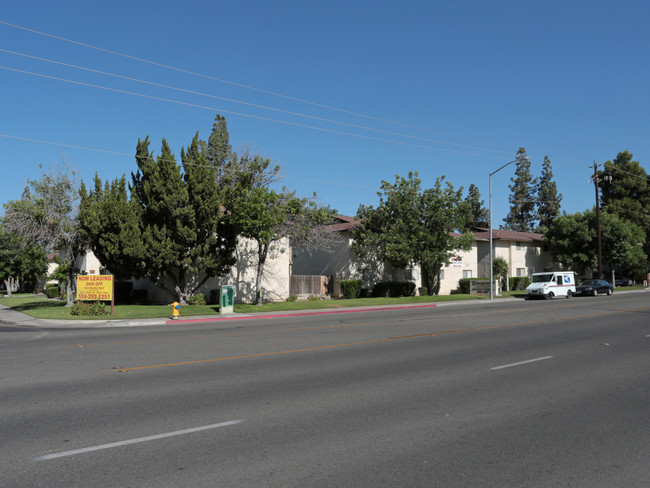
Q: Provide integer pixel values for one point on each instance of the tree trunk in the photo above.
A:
(69, 294)
(8, 284)
(262, 252)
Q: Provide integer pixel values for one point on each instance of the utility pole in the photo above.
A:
(597, 180)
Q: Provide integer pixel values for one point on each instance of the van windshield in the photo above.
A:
(542, 278)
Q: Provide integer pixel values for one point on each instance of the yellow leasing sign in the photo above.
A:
(95, 287)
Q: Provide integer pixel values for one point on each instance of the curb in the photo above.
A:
(296, 314)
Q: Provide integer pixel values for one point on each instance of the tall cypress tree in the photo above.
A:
(219, 151)
(110, 221)
(180, 217)
(548, 198)
(478, 213)
(172, 229)
(215, 234)
(523, 214)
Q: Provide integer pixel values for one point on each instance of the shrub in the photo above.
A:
(465, 283)
(139, 297)
(89, 308)
(519, 283)
(52, 291)
(314, 298)
(198, 299)
(423, 291)
(394, 289)
(292, 298)
(351, 288)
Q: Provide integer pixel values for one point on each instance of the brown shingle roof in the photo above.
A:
(343, 223)
(507, 235)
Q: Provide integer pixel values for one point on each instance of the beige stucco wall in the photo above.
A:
(452, 273)
(88, 263)
(275, 280)
(530, 256)
(343, 264)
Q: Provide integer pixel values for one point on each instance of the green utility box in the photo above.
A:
(226, 299)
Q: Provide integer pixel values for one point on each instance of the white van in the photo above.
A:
(552, 284)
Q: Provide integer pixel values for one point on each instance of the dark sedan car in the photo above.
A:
(594, 287)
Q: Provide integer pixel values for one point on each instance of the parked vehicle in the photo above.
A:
(594, 287)
(623, 282)
(552, 284)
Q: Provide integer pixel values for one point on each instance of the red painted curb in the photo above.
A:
(298, 314)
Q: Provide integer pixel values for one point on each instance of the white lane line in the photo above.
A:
(135, 441)
(521, 362)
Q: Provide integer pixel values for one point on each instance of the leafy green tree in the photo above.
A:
(500, 271)
(414, 227)
(572, 242)
(523, 214)
(47, 216)
(625, 190)
(266, 216)
(478, 213)
(20, 263)
(547, 197)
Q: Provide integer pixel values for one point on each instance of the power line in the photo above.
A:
(86, 148)
(181, 70)
(160, 85)
(644, 178)
(240, 85)
(214, 109)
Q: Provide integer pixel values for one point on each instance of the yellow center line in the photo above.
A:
(261, 354)
(376, 341)
(210, 336)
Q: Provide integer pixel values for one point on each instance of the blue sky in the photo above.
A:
(360, 91)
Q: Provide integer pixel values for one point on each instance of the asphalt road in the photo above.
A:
(516, 394)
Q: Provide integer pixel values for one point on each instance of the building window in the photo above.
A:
(467, 273)
(442, 274)
(521, 271)
(520, 246)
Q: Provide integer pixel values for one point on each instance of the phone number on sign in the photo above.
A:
(93, 296)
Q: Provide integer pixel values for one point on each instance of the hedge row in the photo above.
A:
(354, 289)
(516, 283)
(394, 289)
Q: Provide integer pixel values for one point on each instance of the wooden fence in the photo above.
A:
(301, 285)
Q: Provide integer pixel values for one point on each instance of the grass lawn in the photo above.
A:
(42, 308)
(356, 302)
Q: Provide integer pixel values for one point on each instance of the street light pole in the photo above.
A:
(491, 248)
